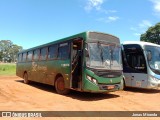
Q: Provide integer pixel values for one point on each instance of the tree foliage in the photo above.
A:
(152, 34)
(8, 51)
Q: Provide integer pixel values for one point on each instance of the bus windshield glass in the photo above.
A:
(154, 61)
(104, 56)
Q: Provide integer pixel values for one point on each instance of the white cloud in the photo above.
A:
(141, 27)
(156, 5)
(108, 19)
(93, 4)
(137, 34)
(113, 18)
(97, 5)
(108, 11)
(145, 24)
(133, 29)
(112, 11)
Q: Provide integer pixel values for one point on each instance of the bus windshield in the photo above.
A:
(104, 56)
(154, 61)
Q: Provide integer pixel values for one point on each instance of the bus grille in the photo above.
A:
(107, 73)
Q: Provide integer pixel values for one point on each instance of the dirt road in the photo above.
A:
(15, 95)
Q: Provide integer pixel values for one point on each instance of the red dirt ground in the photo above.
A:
(17, 96)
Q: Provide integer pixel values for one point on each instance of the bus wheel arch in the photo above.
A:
(25, 77)
(60, 85)
(57, 76)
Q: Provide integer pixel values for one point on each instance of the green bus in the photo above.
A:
(87, 62)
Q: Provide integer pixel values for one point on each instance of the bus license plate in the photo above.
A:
(110, 87)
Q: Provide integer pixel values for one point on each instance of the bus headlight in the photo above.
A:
(153, 78)
(91, 79)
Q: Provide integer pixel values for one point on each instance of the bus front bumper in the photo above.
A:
(100, 88)
(154, 86)
(109, 87)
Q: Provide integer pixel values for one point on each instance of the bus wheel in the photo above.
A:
(60, 86)
(26, 81)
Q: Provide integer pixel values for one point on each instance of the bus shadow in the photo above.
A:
(40, 86)
(142, 90)
(83, 96)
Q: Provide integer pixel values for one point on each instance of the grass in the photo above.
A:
(7, 69)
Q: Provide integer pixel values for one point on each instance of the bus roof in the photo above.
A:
(140, 43)
(83, 35)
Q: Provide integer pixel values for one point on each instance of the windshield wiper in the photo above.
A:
(101, 51)
(101, 54)
(111, 61)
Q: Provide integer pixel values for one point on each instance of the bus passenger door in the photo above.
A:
(76, 61)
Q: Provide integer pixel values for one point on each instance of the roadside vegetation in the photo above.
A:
(7, 69)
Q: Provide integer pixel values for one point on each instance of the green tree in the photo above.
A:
(152, 34)
(13, 52)
(8, 51)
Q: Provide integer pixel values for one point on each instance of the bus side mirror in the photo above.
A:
(149, 55)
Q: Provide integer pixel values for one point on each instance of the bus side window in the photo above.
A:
(137, 62)
(29, 56)
(24, 55)
(20, 57)
(36, 54)
(63, 51)
(52, 52)
(43, 53)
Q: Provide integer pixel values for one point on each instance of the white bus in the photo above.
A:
(141, 64)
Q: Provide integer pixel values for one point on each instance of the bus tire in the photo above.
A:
(26, 81)
(60, 86)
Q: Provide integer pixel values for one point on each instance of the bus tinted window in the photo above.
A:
(36, 54)
(19, 57)
(52, 52)
(63, 52)
(24, 57)
(29, 56)
(135, 58)
(43, 53)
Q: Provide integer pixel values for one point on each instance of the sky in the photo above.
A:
(30, 23)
